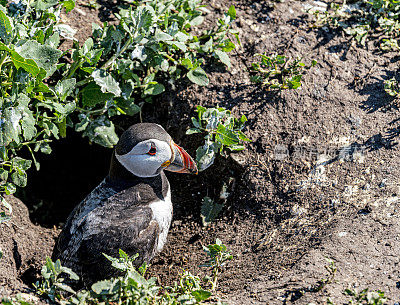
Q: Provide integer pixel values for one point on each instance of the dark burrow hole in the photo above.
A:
(65, 177)
(30, 275)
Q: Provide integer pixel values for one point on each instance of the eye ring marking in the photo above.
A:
(152, 151)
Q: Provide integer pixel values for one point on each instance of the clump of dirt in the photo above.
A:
(24, 247)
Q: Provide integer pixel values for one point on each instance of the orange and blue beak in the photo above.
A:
(181, 161)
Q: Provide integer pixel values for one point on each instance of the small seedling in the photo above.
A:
(366, 297)
(331, 268)
(222, 131)
(218, 258)
(53, 284)
(392, 87)
(279, 72)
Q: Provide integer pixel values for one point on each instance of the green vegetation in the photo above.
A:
(222, 131)
(364, 20)
(278, 72)
(45, 91)
(392, 87)
(210, 209)
(365, 297)
(31, 111)
(132, 287)
(218, 258)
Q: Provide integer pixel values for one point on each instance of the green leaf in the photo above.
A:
(45, 56)
(10, 128)
(154, 88)
(92, 95)
(192, 131)
(101, 131)
(205, 156)
(224, 58)
(196, 21)
(129, 107)
(19, 178)
(43, 5)
(102, 287)
(28, 124)
(10, 188)
(54, 40)
(21, 163)
(201, 295)
(232, 12)
(65, 87)
(69, 5)
(143, 18)
(198, 76)
(209, 210)
(3, 174)
(64, 287)
(43, 147)
(29, 65)
(5, 25)
(51, 128)
(72, 275)
(242, 136)
(225, 136)
(106, 82)
(161, 36)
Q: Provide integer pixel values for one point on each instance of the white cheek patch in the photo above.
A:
(141, 164)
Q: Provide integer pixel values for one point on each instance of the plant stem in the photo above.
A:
(123, 49)
(2, 59)
(107, 63)
(74, 67)
(28, 7)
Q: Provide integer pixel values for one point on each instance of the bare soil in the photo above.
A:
(320, 178)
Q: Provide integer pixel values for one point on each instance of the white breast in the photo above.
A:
(162, 213)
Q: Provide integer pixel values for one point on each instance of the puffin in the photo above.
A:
(130, 209)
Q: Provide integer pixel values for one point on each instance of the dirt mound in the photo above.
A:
(25, 247)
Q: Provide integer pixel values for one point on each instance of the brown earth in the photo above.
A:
(334, 193)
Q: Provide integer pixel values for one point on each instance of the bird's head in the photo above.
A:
(145, 149)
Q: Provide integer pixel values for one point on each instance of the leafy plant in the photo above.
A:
(366, 297)
(332, 269)
(222, 131)
(218, 258)
(364, 19)
(392, 87)
(279, 72)
(120, 67)
(132, 287)
(32, 111)
(53, 284)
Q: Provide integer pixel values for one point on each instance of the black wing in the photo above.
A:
(118, 223)
(100, 194)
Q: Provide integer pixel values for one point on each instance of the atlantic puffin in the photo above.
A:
(130, 209)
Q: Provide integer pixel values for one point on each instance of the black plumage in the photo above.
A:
(120, 213)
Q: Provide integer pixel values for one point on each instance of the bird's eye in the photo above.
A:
(152, 151)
